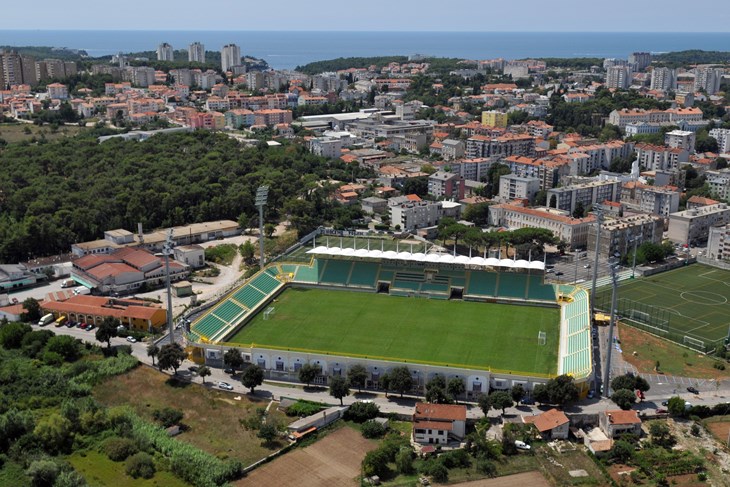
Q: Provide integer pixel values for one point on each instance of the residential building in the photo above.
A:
(660, 157)
(514, 187)
(124, 270)
(57, 91)
(452, 149)
(552, 424)
(196, 53)
(501, 146)
(640, 60)
(472, 169)
(617, 233)
(443, 184)
(165, 52)
(539, 129)
(132, 313)
(547, 171)
(680, 139)
(723, 140)
(412, 215)
(240, 117)
(618, 77)
(230, 56)
(708, 79)
(272, 117)
(699, 201)
(718, 243)
(719, 182)
(141, 76)
(437, 424)
(373, 204)
(587, 194)
(494, 118)
(192, 255)
(656, 200)
(330, 147)
(617, 422)
(16, 69)
(662, 79)
(573, 231)
(693, 226)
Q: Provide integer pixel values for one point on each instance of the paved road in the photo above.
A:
(276, 390)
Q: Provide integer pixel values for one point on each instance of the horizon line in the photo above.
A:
(378, 31)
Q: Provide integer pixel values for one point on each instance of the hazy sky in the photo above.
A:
(398, 15)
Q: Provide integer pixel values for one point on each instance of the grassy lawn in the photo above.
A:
(694, 300)
(99, 471)
(214, 418)
(457, 333)
(13, 474)
(18, 132)
(221, 254)
(673, 359)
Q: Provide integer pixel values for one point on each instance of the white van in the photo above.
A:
(68, 283)
(81, 290)
(46, 319)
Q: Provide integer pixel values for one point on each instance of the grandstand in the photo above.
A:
(429, 276)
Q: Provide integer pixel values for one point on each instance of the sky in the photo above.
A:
(373, 15)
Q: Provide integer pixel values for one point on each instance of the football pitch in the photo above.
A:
(692, 301)
(378, 326)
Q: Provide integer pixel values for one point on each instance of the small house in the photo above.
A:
(552, 424)
(438, 423)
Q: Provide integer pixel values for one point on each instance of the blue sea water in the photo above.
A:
(285, 49)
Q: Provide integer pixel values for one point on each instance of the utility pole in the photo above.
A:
(614, 298)
(167, 252)
(598, 211)
(262, 194)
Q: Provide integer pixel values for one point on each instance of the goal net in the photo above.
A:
(541, 338)
(269, 312)
(694, 343)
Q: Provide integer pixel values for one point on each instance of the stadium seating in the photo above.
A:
(209, 326)
(364, 274)
(335, 272)
(410, 285)
(228, 311)
(410, 276)
(433, 287)
(576, 331)
(249, 296)
(539, 291)
(265, 283)
(482, 284)
(512, 285)
(306, 273)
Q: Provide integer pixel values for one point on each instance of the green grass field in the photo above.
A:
(696, 299)
(457, 333)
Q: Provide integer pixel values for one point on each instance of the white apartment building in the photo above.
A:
(165, 52)
(329, 147)
(659, 157)
(196, 53)
(472, 169)
(640, 60)
(502, 146)
(693, 226)
(230, 56)
(662, 79)
(573, 231)
(618, 77)
(513, 187)
(412, 215)
(680, 139)
(617, 234)
(567, 197)
(708, 79)
(719, 182)
(718, 243)
(57, 91)
(723, 139)
(452, 149)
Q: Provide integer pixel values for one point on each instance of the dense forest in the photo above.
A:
(43, 52)
(693, 56)
(438, 65)
(72, 190)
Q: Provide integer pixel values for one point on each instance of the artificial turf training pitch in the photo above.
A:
(457, 333)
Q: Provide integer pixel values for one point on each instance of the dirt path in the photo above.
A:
(333, 460)
(533, 479)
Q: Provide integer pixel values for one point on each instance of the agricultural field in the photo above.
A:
(214, 419)
(691, 301)
(18, 132)
(457, 333)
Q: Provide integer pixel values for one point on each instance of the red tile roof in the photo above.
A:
(547, 420)
(619, 416)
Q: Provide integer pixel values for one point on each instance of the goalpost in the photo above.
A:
(541, 338)
(269, 312)
(694, 343)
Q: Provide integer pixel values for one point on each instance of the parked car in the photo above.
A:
(665, 403)
(84, 326)
(193, 368)
(558, 273)
(225, 385)
(228, 371)
(70, 324)
(131, 340)
(527, 401)
(587, 266)
(661, 411)
(90, 327)
(692, 390)
(521, 445)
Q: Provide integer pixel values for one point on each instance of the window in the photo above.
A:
(476, 386)
(261, 363)
(279, 365)
(297, 366)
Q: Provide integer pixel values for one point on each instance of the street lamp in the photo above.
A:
(613, 267)
(262, 195)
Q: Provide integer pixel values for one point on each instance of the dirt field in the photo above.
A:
(720, 428)
(333, 460)
(533, 479)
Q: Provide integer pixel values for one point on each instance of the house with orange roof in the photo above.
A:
(552, 424)
(617, 422)
(437, 424)
(132, 313)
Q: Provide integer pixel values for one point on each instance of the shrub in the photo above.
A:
(359, 412)
(719, 365)
(119, 449)
(455, 458)
(372, 429)
(168, 416)
(42, 472)
(303, 408)
(486, 467)
(438, 472)
(695, 430)
(140, 465)
(53, 359)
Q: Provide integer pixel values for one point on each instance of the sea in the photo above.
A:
(288, 49)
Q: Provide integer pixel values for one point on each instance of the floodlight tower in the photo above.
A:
(167, 252)
(598, 211)
(614, 297)
(635, 240)
(262, 195)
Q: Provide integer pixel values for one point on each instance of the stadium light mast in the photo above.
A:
(167, 252)
(262, 195)
(598, 211)
(635, 241)
(614, 297)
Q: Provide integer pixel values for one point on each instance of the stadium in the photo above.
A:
(493, 322)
